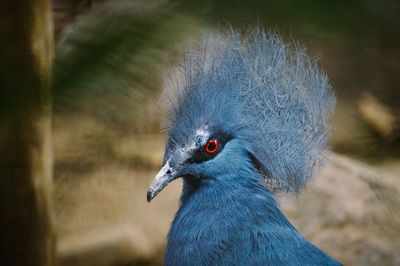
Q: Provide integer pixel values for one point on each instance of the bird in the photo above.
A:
(246, 121)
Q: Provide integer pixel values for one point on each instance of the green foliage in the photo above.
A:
(311, 17)
(113, 55)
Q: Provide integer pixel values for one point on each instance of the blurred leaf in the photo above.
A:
(109, 58)
(346, 17)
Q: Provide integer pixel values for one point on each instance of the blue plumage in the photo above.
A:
(247, 118)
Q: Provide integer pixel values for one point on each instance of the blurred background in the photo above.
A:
(110, 60)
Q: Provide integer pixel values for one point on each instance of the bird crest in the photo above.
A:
(267, 93)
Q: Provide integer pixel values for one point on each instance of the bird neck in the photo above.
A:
(224, 197)
(223, 212)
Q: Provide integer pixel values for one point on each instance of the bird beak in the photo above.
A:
(162, 179)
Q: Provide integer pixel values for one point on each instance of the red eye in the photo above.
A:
(212, 146)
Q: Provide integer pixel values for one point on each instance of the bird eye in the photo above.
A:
(212, 146)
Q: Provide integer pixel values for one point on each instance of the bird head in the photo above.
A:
(245, 101)
(208, 154)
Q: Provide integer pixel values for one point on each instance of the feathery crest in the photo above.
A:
(269, 94)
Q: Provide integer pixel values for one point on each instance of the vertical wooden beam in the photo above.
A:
(26, 55)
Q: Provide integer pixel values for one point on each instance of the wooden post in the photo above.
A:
(26, 54)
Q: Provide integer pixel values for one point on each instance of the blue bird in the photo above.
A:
(246, 119)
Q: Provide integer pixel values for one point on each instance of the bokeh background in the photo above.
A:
(111, 57)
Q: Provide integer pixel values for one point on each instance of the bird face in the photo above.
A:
(202, 157)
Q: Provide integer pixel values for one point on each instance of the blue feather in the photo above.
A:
(268, 104)
(234, 220)
(270, 93)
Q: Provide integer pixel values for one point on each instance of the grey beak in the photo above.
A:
(162, 179)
